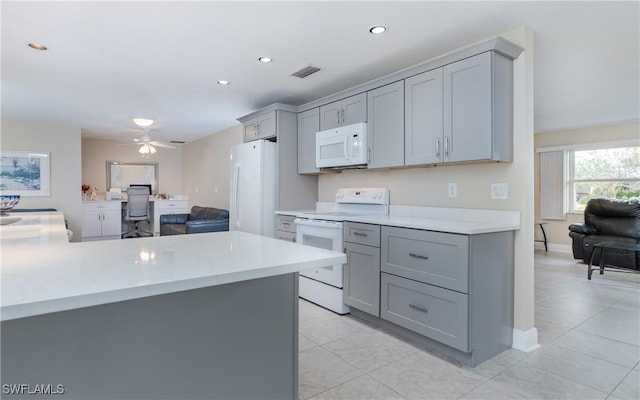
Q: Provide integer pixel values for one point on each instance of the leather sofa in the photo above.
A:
(607, 220)
(199, 220)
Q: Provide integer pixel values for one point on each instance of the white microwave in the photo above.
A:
(342, 146)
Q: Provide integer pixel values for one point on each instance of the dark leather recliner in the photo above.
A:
(608, 220)
(200, 220)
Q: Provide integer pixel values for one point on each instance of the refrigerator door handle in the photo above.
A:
(234, 190)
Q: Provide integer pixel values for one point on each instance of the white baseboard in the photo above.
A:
(556, 248)
(526, 341)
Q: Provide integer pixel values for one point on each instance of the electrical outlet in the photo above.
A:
(499, 191)
(453, 190)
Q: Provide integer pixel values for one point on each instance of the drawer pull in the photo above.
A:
(360, 234)
(286, 223)
(418, 308)
(418, 256)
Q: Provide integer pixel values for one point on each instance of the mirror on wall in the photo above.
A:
(123, 174)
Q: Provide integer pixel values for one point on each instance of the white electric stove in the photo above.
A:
(324, 229)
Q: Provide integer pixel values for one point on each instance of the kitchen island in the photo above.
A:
(212, 315)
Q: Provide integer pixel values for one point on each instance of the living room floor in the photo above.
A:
(589, 333)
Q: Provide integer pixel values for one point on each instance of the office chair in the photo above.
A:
(137, 210)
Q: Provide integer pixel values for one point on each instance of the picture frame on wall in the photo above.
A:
(27, 173)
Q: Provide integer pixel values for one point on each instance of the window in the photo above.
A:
(604, 172)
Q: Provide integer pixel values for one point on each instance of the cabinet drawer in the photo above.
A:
(437, 313)
(366, 234)
(288, 236)
(285, 223)
(440, 259)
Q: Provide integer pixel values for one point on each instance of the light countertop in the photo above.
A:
(441, 219)
(42, 272)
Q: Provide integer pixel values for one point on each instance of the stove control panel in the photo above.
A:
(363, 196)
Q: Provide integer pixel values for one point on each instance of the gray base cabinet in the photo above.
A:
(451, 292)
(362, 270)
(438, 313)
(286, 228)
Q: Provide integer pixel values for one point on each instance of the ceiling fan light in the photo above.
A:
(147, 149)
(143, 122)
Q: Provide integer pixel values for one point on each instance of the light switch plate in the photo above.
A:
(453, 190)
(499, 191)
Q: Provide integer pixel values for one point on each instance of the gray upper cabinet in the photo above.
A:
(423, 118)
(261, 127)
(385, 128)
(460, 112)
(478, 110)
(308, 125)
(344, 112)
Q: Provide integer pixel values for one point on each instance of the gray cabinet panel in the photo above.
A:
(423, 118)
(440, 259)
(468, 109)
(285, 223)
(386, 126)
(261, 127)
(434, 312)
(344, 112)
(308, 126)
(354, 109)
(366, 234)
(330, 115)
(362, 278)
(267, 125)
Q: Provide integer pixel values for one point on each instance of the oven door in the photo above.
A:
(325, 235)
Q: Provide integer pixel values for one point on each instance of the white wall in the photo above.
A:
(207, 168)
(96, 153)
(63, 142)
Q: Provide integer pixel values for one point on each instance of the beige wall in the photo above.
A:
(557, 231)
(96, 153)
(63, 142)
(207, 168)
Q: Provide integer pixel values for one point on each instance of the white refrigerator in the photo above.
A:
(253, 188)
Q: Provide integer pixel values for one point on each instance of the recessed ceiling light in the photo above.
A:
(37, 46)
(378, 29)
(143, 122)
(265, 59)
(222, 82)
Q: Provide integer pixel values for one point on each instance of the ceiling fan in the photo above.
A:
(148, 146)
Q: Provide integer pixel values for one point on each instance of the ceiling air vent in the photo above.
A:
(177, 141)
(306, 71)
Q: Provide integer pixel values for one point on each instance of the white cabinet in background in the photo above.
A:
(101, 220)
(165, 207)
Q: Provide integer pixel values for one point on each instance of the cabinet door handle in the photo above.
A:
(360, 234)
(418, 308)
(338, 117)
(446, 146)
(257, 130)
(342, 117)
(418, 256)
(438, 147)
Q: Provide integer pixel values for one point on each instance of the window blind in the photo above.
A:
(553, 184)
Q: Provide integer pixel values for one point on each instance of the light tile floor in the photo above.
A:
(589, 332)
